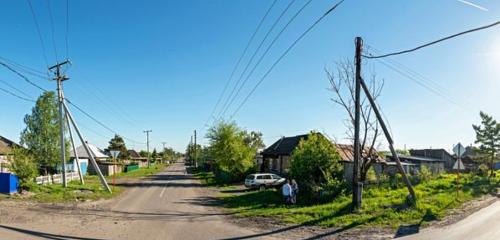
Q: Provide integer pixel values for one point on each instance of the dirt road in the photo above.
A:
(170, 205)
(482, 225)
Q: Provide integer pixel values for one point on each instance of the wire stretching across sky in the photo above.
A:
(239, 61)
(284, 54)
(232, 95)
(267, 51)
(435, 42)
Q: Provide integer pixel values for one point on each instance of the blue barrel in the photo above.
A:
(8, 183)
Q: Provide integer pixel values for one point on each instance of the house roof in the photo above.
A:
(416, 158)
(6, 145)
(96, 152)
(135, 155)
(431, 153)
(286, 145)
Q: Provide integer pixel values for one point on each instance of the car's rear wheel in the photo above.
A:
(262, 187)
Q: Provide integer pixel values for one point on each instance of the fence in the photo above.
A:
(56, 178)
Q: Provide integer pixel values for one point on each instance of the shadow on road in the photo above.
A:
(46, 235)
(405, 230)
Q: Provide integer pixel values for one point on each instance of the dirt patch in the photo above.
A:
(466, 210)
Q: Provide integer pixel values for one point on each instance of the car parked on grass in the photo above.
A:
(262, 181)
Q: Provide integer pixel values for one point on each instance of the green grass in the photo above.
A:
(381, 206)
(141, 172)
(206, 178)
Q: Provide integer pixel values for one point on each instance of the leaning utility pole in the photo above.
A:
(147, 144)
(366, 90)
(356, 186)
(195, 151)
(60, 99)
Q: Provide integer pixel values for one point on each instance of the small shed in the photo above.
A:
(436, 166)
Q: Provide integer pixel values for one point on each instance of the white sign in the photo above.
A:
(459, 165)
(459, 150)
(114, 153)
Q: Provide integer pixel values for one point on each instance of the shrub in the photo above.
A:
(425, 174)
(483, 170)
(23, 165)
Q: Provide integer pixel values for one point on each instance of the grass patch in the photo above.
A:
(381, 206)
(141, 172)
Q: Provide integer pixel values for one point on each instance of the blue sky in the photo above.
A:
(161, 65)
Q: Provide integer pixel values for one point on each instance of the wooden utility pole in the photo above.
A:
(356, 186)
(195, 151)
(60, 78)
(147, 144)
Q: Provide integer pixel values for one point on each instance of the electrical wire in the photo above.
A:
(38, 31)
(17, 96)
(232, 95)
(67, 29)
(434, 42)
(284, 54)
(52, 30)
(17, 89)
(267, 51)
(239, 61)
(23, 77)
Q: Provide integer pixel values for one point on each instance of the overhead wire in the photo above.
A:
(39, 32)
(284, 54)
(267, 51)
(23, 76)
(16, 95)
(67, 29)
(433, 42)
(51, 19)
(17, 89)
(239, 61)
(232, 95)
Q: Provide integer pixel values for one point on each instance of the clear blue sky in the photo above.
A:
(161, 65)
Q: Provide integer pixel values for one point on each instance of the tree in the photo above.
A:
(118, 144)
(154, 155)
(143, 153)
(343, 86)
(193, 152)
(315, 162)
(232, 157)
(254, 139)
(23, 165)
(42, 135)
(488, 136)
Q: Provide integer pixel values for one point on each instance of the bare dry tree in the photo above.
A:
(342, 82)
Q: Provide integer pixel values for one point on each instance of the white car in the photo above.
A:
(264, 180)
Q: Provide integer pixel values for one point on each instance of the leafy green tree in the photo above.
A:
(118, 144)
(143, 153)
(315, 163)
(193, 152)
(154, 155)
(41, 135)
(23, 165)
(232, 157)
(488, 136)
(254, 139)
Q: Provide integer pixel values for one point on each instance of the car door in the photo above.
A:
(268, 179)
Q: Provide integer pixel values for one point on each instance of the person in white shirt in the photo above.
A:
(287, 191)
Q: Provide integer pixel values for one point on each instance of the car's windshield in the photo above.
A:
(250, 177)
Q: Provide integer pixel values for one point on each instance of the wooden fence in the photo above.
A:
(56, 178)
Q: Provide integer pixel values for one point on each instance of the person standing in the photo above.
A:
(295, 191)
(286, 190)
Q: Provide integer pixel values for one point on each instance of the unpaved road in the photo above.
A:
(169, 205)
(481, 225)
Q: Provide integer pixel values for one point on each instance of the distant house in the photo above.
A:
(470, 158)
(98, 154)
(6, 147)
(136, 157)
(414, 163)
(276, 158)
(441, 154)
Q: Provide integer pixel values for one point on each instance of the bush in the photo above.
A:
(22, 164)
(483, 170)
(424, 174)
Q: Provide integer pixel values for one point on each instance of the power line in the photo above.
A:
(232, 95)
(17, 89)
(284, 54)
(52, 29)
(23, 76)
(239, 61)
(38, 31)
(67, 29)
(434, 42)
(17, 96)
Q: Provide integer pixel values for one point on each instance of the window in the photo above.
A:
(260, 177)
(276, 176)
(267, 177)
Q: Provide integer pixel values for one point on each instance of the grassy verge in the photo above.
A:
(92, 190)
(381, 206)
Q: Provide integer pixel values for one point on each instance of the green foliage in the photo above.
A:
(143, 153)
(118, 144)
(425, 174)
(41, 135)
(382, 206)
(488, 136)
(483, 170)
(23, 165)
(169, 154)
(315, 164)
(254, 139)
(232, 157)
(371, 175)
(154, 155)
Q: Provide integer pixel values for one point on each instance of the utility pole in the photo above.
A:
(147, 144)
(356, 186)
(195, 151)
(190, 150)
(59, 79)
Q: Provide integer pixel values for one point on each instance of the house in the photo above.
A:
(98, 154)
(276, 158)
(469, 159)
(415, 163)
(6, 147)
(445, 156)
(136, 157)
